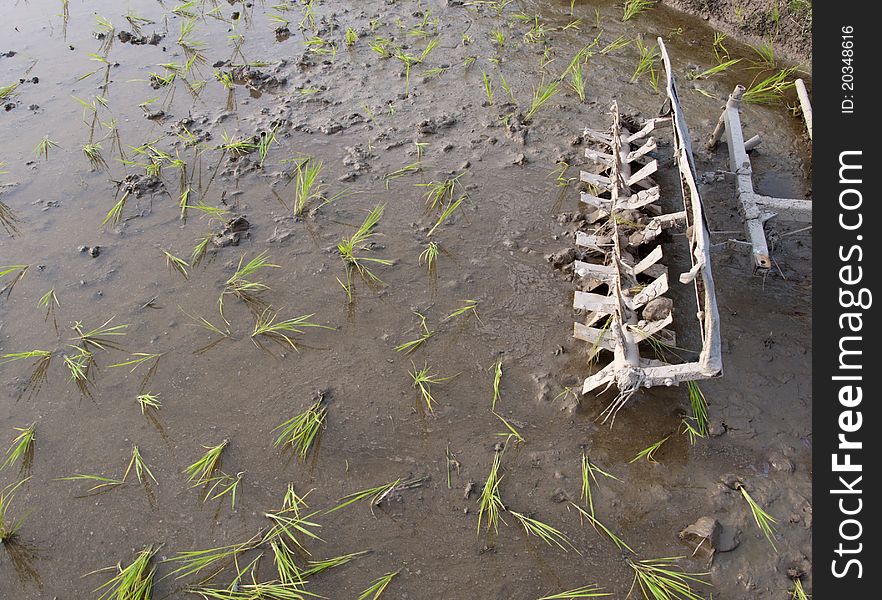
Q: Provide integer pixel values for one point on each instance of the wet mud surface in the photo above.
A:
(364, 119)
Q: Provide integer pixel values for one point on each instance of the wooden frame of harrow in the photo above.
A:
(632, 283)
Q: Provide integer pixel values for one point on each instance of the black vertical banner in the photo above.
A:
(846, 247)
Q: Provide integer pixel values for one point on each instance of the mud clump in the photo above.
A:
(257, 80)
(233, 232)
(141, 184)
(127, 37)
(435, 124)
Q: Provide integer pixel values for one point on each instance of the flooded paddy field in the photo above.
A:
(151, 151)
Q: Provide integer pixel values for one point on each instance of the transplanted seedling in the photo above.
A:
(40, 368)
(242, 286)
(497, 380)
(510, 432)
(148, 402)
(92, 151)
(423, 379)
(662, 579)
(649, 55)
(600, 527)
(490, 502)
(447, 213)
(586, 591)
(289, 525)
(133, 582)
(470, 306)
(649, 452)
(440, 193)
(22, 449)
(79, 363)
(140, 467)
(541, 95)
(764, 520)
(377, 587)
(771, 89)
(13, 274)
(589, 471)
(301, 431)
(99, 336)
(545, 532)
(268, 326)
(221, 485)
(8, 526)
(350, 248)
(430, 255)
(202, 470)
(635, 7)
(43, 146)
(425, 334)
(193, 562)
(377, 495)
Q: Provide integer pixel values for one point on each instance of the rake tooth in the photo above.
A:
(599, 338)
(650, 168)
(600, 181)
(647, 128)
(599, 137)
(592, 200)
(649, 146)
(593, 242)
(599, 157)
(640, 199)
(654, 290)
(594, 302)
(650, 260)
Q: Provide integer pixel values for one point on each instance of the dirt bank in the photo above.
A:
(787, 24)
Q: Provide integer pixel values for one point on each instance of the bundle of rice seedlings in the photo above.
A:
(301, 431)
(662, 579)
(133, 582)
(377, 587)
(202, 470)
(490, 502)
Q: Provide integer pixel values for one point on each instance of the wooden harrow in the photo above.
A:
(621, 284)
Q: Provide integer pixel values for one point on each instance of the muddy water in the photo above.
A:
(377, 431)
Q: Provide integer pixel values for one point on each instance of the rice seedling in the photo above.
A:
(285, 562)
(176, 263)
(314, 567)
(490, 502)
(288, 524)
(620, 544)
(616, 44)
(79, 364)
(280, 332)
(202, 470)
(22, 448)
(423, 379)
(98, 337)
(763, 520)
(308, 19)
(200, 249)
(488, 87)
(662, 579)
(241, 285)
(264, 143)
(452, 464)
(382, 46)
(537, 32)
(497, 380)
(14, 274)
(308, 189)
(430, 255)
(586, 591)
(218, 486)
(469, 61)
(577, 82)
(236, 146)
(798, 592)
(545, 532)
(101, 484)
(193, 562)
(301, 431)
(9, 527)
(8, 91)
(141, 469)
(541, 95)
(719, 68)
(721, 53)
(350, 38)
(148, 401)
(318, 45)
(350, 248)
(105, 33)
(114, 215)
(271, 590)
(133, 582)
(771, 89)
(447, 213)
(511, 431)
(280, 21)
(589, 471)
(425, 334)
(92, 151)
(766, 53)
(635, 7)
(646, 62)
(43, 146)
(377, 587)
(8, 218)
(469, 306)
(649, 452)
(498, 37)
(439, 193)
(376, 494)
(698, 405)
(135, 21)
